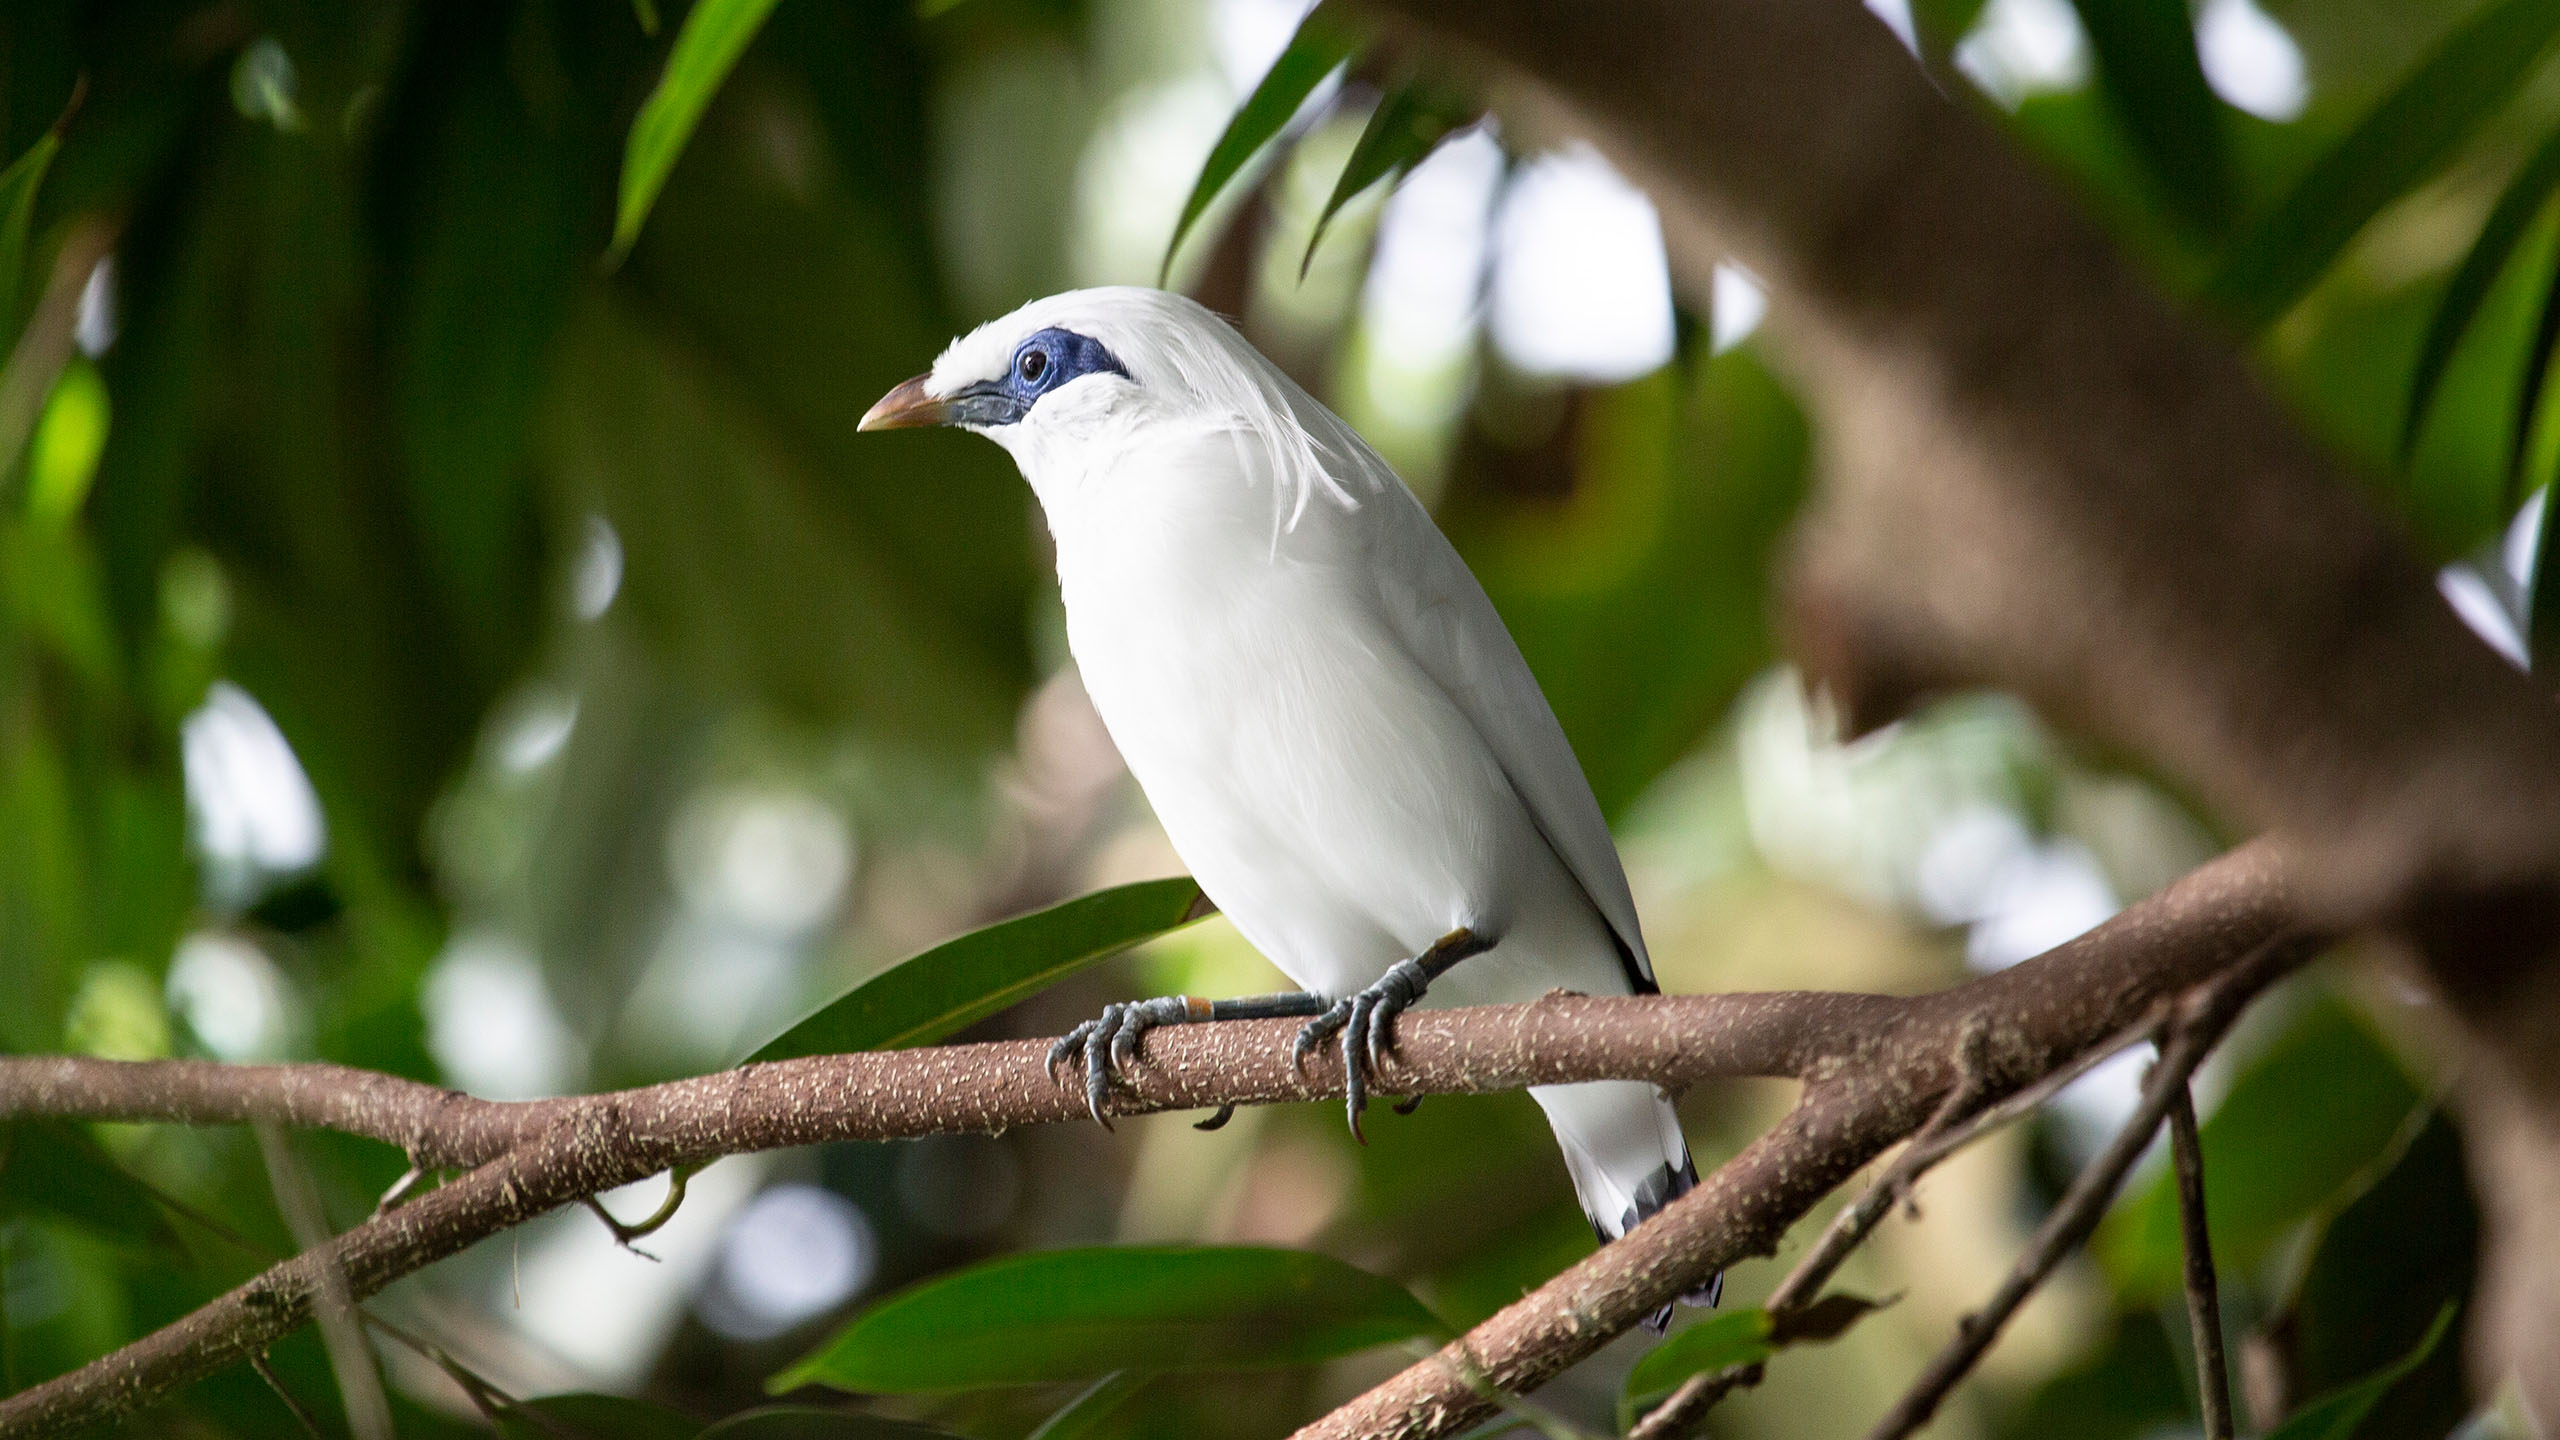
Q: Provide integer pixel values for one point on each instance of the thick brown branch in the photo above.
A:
(2192, 1037)
(2038, 475)
(1877, 1064)
(2017, 1027)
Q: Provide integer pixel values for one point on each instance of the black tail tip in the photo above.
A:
(1659, 1189)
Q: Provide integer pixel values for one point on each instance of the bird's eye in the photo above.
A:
(1033, 365)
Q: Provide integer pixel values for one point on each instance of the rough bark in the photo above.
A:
(2040, 475)
(1874, 1067)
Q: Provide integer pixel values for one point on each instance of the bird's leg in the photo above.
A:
(1366, 1021)
(1110, 1044)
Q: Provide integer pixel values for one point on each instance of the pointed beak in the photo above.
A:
(906, 408)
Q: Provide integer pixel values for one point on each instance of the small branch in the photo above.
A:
(267, 1373)
(1874, 1067)
(2204, 1301)
(2192, 1038)
(2041, 1016)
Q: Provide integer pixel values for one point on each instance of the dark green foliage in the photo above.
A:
(2156, 86)
(1078, 1314)
(1321, 46)
(1409, 123)
(2398, 145)
(953, 985)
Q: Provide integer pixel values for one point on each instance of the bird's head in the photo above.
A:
(1071, 382)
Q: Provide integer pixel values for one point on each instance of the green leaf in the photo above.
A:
(2155, 84)
(2336, 1416)
(920, 1000)
(49, 1168)
(1742, 1337)
(1408, 125)
(1320, 47)
(584, 1416)
(2537, 371)
(715, 34)
(2398, 144)
(809, 1422)
(2498, 238)
(18, 186)
(1097, 1403)
(1061, 1315)
(2300, 1127)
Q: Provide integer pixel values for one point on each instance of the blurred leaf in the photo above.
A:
(1319, 48)
(2386, 1262)
(2499, 235)
(1074, 1314)
(1098, 1403)
(51, 1168)
(646, 12)
(2537, 371)
(1939, 24)
(583, 1416)
(715, 34)
(921, 999)
(2397, 145)
(808, 1422)
(2155, 84)
(2336, 1416)
(2300, 1123)
(2129, 1388)
(1407, 126)
(18, 186)
(1742, 1337)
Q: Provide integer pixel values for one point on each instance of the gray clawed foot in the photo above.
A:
(1110, 1045)
(1366, 1022)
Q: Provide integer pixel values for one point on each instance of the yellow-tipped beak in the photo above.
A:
(906, 408)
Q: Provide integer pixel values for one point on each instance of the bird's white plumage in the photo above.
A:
(1331, 720)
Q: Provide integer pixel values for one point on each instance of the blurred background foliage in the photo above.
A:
(434, 641)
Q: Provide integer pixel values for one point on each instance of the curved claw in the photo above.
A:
(1217, 1121)
(1317, 1031)
(1068, 1044)
(1356, 1037)
(1097, 1063)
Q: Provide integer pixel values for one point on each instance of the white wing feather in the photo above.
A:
(1451, 630)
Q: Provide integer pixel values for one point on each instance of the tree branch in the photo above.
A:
(2033, 1019)
(2038, 475)
(2204, 1295)
(2192, 1036)
(1874, 1066)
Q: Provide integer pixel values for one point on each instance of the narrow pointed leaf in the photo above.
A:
(1407, 126)
(18, 186)
(1320, 47)
(2537, 374)
(2398, 144)
(2336, 1416)
(1740, 1337)
(2155, 83)
(2498, 238)
(954, 984)
(1061, 1315)
(714, 35)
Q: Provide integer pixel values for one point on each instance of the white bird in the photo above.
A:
(1338, 734)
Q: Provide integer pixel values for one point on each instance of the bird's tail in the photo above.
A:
(1623, 1146)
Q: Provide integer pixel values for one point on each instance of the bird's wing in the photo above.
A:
(1452, 631)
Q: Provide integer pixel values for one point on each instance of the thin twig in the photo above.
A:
(2191, 1038)
(2204, 1302)
(266, 1372)
(1955, 1125)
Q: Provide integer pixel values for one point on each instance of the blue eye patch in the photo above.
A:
(1040, 364)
